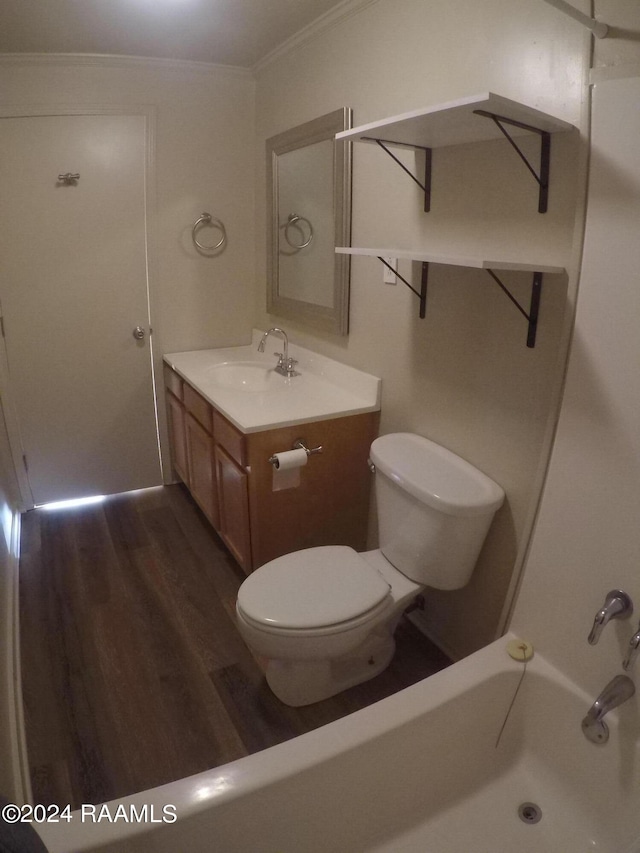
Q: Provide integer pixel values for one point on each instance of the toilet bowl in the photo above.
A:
(323, 618)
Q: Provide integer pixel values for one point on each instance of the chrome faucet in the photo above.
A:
(617, 605)
(633, 649)
(617, 691)
(286, 364)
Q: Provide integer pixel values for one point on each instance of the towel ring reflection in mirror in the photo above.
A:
(304, 236)
(207, 219)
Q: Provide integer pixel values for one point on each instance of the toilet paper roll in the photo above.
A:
(290, 459)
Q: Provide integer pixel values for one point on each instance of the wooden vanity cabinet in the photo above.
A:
(233, 494)
(200, 453)
(331, 504)
(176, 423)
(230, 477)
(232, 480)
(191, 440)
(201, 467)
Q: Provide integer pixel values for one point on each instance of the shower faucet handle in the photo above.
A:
(617, 605)
(633, 650)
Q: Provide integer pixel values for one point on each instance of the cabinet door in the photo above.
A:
(233, 495)
(202, 475)
(177, 437)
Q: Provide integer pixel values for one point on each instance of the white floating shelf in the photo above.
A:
(453, 261)
(455, 123)
(474, 119)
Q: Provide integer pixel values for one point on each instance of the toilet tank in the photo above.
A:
(434, 509)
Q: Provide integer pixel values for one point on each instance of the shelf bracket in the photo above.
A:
(422, 294)
(598, 29)
(534, 304)
(426, 186)
(541, 177)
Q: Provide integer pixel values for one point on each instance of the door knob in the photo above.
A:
(138, 333)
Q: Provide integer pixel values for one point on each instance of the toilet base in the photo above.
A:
(298, 683)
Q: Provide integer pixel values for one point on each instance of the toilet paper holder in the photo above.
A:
(299, 444)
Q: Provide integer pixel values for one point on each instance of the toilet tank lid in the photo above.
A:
(435, 475)
(312, 588)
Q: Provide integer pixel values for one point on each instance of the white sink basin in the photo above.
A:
(252, 376)
(242, 385)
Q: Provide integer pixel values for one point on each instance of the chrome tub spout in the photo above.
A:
(618, 690)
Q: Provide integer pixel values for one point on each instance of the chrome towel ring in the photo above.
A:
(207, 219)
(293, 221)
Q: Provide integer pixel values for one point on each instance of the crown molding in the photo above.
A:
(99, 60)
(316, 28)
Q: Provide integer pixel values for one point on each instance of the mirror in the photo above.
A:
(309, 214)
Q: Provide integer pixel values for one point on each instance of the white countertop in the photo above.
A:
(325, 388)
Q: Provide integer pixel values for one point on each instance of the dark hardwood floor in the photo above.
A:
(133, 672)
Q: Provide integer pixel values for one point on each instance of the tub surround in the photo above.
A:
(229, 412)
(465, 781)
(325, 388)
(596, 539)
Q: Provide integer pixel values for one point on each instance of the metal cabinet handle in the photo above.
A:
(139, 333)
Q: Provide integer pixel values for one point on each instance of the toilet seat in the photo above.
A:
(321, 630)
(315, 591)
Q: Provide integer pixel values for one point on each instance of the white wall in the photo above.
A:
(204, 161)
(463, 376)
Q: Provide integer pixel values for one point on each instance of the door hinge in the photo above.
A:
(24, 459)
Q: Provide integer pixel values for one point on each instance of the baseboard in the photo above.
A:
(418, 620)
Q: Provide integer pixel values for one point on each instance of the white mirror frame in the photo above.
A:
(335, 318)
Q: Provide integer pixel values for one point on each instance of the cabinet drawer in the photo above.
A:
(173, 382)
(198, 407)
(230, 438)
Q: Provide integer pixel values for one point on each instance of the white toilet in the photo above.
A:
(324, 618)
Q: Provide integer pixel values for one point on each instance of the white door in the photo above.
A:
(73, 287)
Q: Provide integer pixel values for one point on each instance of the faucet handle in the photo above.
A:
(633, 649)
(617, 605)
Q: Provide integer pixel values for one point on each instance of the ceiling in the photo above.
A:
(228, 32)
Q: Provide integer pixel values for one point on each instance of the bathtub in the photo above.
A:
(433, 769)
